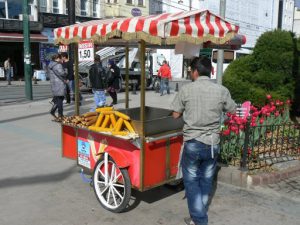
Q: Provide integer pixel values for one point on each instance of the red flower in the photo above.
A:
(288, 102)
(249, 151)
(269, 96)
(241, 127)
(226, 132)
(261, 121)
(277, 102)
(268, 114)
(281, 103)
(253, 124)
(277, 113)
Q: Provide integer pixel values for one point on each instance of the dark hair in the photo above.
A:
(165, 62)
(55, 57)
(64, 55)
(97, 58)
(202, 64)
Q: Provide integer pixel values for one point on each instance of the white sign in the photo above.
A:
(85, 51)
(63, 48)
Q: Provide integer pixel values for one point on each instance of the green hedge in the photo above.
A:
(271, 69)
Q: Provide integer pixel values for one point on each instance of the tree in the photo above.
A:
(271, 69)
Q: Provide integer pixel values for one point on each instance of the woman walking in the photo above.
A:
(113, 81)
(58, 84)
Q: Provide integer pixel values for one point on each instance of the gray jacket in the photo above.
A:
(57, 77)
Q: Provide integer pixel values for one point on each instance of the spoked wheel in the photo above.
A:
(112, 185)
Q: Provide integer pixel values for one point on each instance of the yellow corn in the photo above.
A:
(119, 124)
(105, 122)
(122, 115)
(101, 129)
(88, 114)
(121, 133)
(129, 127)
(113, 119)
(99, 120)
(99, 110)
(107, 112)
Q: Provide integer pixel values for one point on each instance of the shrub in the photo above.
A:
(270, 69)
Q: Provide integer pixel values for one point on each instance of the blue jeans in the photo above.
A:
(198, 169)
(99, 98)
(164, 85)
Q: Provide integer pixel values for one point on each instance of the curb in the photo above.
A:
(234, 176)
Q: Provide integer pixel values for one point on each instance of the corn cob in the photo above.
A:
(99, 120)
(99, 110)
(122, 115)
(105, 122)
(119, 124)
(129, 127)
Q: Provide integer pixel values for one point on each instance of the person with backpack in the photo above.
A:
(113, 81)
(97, 78)
(58, 82)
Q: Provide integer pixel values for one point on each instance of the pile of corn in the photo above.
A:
(105, 120)
(112, 122)
(83, 121)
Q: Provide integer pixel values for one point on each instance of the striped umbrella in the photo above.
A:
(195, 27)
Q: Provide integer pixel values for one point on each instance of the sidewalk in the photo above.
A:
(22, 83)
(39, 187)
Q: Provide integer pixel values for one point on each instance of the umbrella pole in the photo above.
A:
(142, 49)
(76, 79)
(127, 78)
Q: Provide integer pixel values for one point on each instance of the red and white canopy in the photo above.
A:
(169, 28)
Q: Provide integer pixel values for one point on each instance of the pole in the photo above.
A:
(73, 55)
(221, 51)
(127, 78)
(76, 79)
(142, 49)
(27, 53)
(6, 9)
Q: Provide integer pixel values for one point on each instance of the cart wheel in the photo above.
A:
(112, 185)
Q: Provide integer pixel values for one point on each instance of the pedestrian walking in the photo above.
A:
(97, 76)
(8, 70)
(58, 80)
(201, 103)
(70, 86)
(113, 81)
(164, 73)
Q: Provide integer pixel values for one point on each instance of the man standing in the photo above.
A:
(97, 77)
(201, 103)
(164, 73)
(8, 70)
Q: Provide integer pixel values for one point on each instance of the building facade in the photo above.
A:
(296, 27)
(11, 34)
(126, 8)
(253, 16)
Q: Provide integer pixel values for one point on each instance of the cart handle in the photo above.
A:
(152, 139)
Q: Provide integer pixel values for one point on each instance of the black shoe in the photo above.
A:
(53, 114)
(161, 94)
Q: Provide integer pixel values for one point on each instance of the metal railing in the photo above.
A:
(260, 147)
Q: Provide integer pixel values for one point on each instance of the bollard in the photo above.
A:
(177, 88)
(134, 89)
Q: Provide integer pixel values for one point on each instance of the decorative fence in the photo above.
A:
(259, 147)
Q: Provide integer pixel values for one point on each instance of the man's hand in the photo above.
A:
(176, 115)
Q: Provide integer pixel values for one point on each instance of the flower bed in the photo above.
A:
(265, 137)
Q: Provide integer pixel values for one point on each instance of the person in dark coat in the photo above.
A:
(113, 81)
(58, 82)
(98, 79)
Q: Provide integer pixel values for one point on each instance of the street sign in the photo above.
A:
(85, 51)
(136, 12)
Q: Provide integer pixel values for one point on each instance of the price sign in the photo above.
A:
(85, 51)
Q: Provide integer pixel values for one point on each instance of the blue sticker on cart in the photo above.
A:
(84, 154)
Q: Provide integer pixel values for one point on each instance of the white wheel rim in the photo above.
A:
(109, 184)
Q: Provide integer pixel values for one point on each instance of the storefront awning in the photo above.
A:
(17, 37)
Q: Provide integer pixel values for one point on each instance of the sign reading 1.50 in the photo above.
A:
(85, 51)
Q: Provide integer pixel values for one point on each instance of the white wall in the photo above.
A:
(253, 16)
(296, 27)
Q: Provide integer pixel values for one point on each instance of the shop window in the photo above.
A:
(140, 2)
(96, 8)
(83, 7)
(55, 7)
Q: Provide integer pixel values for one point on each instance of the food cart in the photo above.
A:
(149, 159)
